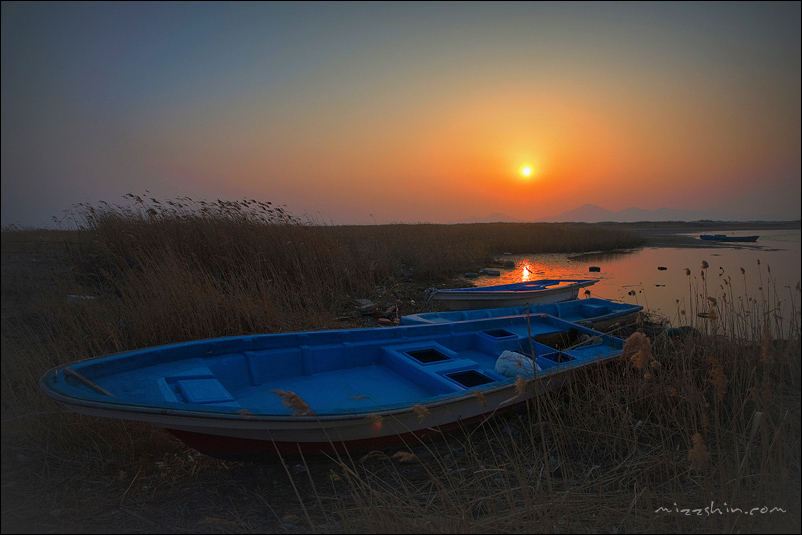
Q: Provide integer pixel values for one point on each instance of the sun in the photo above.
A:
(527, 171)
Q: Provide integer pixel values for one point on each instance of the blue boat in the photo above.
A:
(327, 391)
(535, 292)
(599, 314)
(725, 238)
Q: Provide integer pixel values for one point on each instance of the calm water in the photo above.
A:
(771, 274)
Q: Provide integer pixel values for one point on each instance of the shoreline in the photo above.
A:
(673, 233)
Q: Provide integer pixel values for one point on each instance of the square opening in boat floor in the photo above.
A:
(469, 378)
(427, 356)
(499, 333)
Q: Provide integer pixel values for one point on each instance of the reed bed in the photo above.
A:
(688, 432)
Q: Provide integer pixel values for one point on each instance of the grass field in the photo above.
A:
(693, 431)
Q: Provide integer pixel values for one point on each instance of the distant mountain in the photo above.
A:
(590, 213)
(493, 218)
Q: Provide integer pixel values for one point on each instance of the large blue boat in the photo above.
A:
(329, 390)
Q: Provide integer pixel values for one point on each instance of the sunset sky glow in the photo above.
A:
(404, 112)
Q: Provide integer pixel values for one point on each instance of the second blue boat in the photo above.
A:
(599, 314)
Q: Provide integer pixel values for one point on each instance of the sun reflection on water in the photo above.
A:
(657, 279)
(536, 267)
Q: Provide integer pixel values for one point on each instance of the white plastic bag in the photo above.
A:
(513, 364)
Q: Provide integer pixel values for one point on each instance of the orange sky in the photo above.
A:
(357, 113)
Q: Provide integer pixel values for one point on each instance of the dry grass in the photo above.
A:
(704, 418)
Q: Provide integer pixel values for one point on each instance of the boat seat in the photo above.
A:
(203, 391)
(594, 310)
(197, 385)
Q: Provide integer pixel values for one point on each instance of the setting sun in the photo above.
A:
(528, 171)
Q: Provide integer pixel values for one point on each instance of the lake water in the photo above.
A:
(771, 274)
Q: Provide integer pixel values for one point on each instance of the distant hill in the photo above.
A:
(590, 213)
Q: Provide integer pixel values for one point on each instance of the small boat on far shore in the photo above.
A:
(724, 237)
(598, 314)
(536, 292)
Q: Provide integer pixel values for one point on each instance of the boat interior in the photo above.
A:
(335, 372)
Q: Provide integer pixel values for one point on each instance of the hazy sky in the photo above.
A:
(403, 112)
